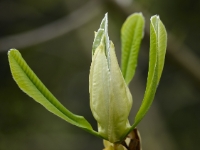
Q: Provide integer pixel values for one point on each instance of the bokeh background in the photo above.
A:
(55, 38)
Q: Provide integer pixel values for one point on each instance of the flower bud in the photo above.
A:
(110, 98)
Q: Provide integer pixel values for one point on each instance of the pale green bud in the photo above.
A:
(110, 98)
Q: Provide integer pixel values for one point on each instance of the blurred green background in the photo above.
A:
(55, 38)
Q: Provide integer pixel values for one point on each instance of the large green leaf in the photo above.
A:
(158, 44)
(131, 36)
(31, 85)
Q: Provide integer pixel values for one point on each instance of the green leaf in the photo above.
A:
(102, 36)
(104, 25)
(158, 44)
(131, 36)
(31, 85)
(97, 40)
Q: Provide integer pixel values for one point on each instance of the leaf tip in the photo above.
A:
(106, 15)
(139, 13)
(155, 16)
(12, 51)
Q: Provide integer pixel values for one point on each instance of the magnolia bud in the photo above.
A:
(110, 98)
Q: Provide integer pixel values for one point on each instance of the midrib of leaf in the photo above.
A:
(131, 36)
(151, 81)
(162, 46)
(131, 39)
(53, 105)
(154, 69)
(41, 88)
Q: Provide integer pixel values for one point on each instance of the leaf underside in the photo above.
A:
(32, 86)
(158, 44)
(131, 36)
